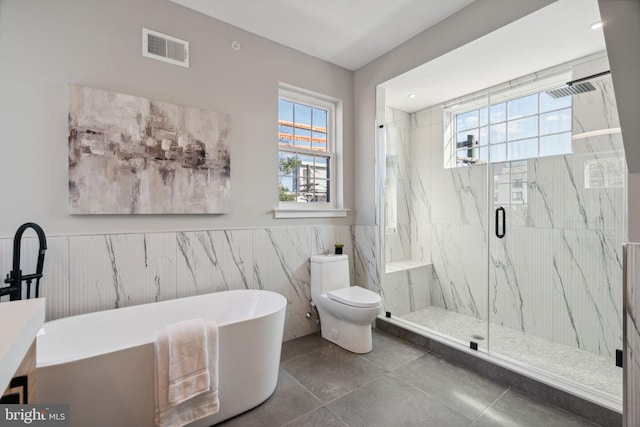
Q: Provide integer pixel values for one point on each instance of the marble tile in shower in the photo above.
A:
(421, 119)
(398, 245)
(588, 290)
(595, 110)
(564, 192)
(113, 271)
(521, 281)
(459, 264)
(460, 195)
(632, 353)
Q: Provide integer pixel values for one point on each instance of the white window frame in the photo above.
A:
(450, 131)
(333, 208)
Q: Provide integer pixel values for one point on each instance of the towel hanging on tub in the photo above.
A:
(186, 374)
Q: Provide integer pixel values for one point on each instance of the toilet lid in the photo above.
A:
(355, 296)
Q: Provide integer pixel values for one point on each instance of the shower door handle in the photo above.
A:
(500, 223)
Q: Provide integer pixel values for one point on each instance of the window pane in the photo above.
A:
(285, 110)
(499, 153)
(548, 103)
(498, 113)
(555, 144)
(305, 178)
(288, 170)
(321, 190)
(303, 138)
(483, 138)
(524, 149)
(498, 133)
(467, 120)
(555, 122)
(484, 116)
(285, 135)
(523, 128)
(305, 155)
(320, 120)
(302, 116)
(319, 141)
(525, 106)
(483, 155)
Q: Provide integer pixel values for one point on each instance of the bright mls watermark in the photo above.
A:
(34, 415)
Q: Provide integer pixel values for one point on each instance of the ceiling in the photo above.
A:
(355, 32)
(552, 35)
(347, 33)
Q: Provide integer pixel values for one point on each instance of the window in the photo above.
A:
(309, 166)
(534, 125)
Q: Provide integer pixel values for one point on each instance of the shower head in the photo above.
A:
(569, 90)
(575, 87)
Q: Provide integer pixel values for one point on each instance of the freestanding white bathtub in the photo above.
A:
(102, 363)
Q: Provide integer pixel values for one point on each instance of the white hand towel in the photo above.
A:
(188, 360)
(201, 406)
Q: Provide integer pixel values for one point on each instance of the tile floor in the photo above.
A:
(397, 384)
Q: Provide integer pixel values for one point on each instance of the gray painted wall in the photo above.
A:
(45, 45)
(622, 36)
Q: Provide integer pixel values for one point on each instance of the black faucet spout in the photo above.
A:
(15, 278)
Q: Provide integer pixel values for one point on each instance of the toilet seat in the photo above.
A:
(355, 296)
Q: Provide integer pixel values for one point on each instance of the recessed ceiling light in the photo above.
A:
(412, 95)
(596, 25)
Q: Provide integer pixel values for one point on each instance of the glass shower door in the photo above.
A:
(558, 209)
(459, 226)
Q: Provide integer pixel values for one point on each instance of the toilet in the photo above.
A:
(346, 312)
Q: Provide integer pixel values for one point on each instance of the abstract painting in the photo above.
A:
(131, 155)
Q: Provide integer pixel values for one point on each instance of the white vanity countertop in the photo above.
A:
(20, 322)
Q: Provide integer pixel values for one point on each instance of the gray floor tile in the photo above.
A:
(331, 372)
(462, 390)
(388, 401)
(288, 402)
(391, 352)
(302, 345)
(321, 417)
(514, 409)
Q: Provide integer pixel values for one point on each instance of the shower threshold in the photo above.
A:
(572, 379)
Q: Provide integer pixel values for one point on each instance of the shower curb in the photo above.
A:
(519, 382)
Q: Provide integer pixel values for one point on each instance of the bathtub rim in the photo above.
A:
(280, 304)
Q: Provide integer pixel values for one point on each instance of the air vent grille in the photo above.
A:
(165, 48)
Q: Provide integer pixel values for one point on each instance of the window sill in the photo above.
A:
(279, 213)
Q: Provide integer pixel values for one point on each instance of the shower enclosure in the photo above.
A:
(503, 218)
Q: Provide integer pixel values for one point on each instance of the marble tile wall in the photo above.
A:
(631, 400)
(558, 273)
(98, 272)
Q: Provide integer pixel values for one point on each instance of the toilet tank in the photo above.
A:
(328, 273)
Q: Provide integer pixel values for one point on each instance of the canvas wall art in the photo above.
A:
(132, 155)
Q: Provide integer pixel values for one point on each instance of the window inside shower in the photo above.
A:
(523, 127)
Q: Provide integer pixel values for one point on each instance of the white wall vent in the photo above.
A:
(165, 48)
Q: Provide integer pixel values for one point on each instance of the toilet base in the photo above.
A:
(355, 338)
